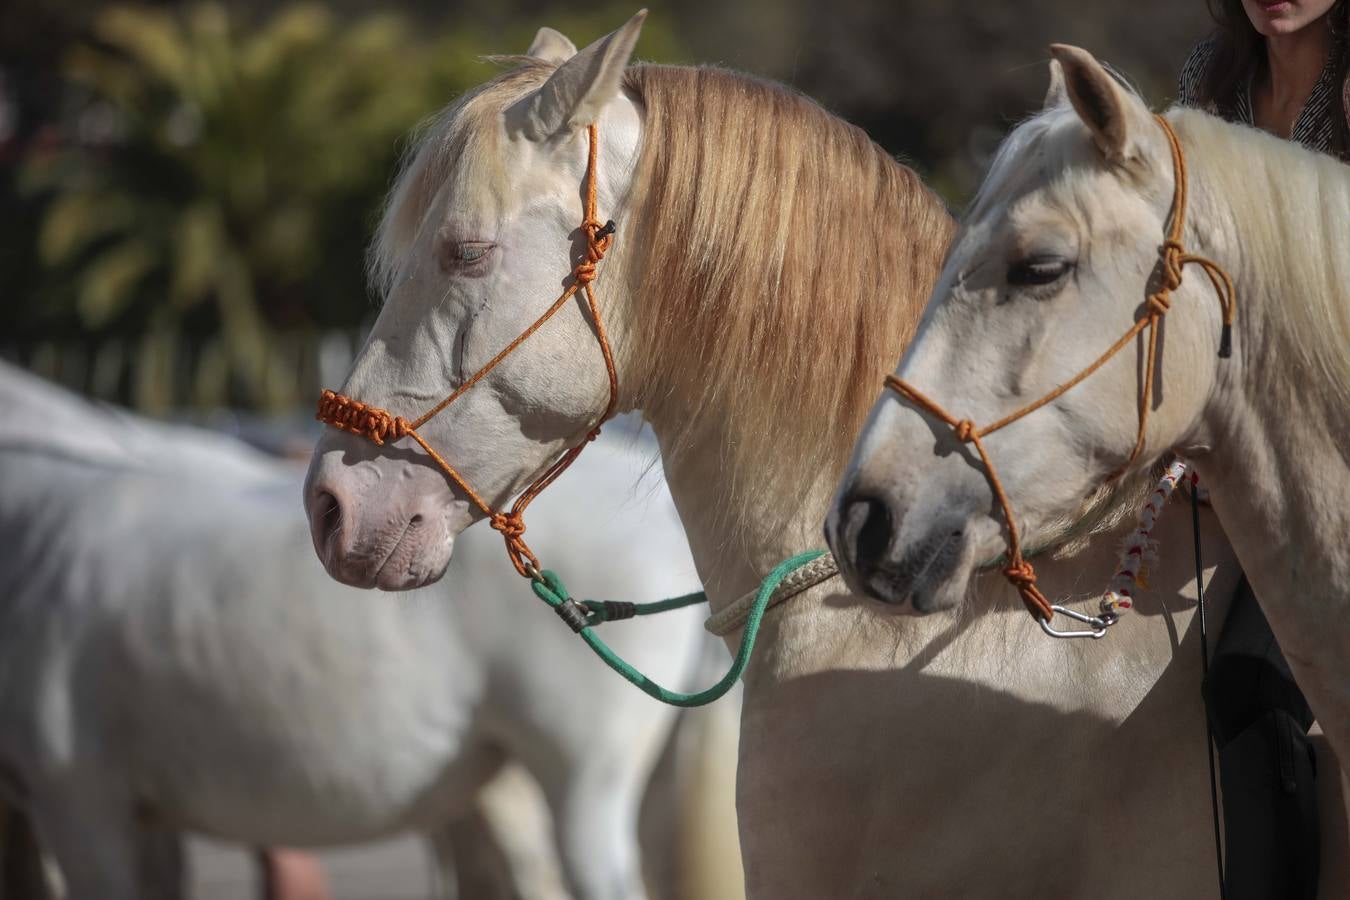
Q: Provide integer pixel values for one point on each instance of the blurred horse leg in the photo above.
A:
(708, 849)
(469, 863)
(291, 875)
(90, 831)
(161, 862)
(27, 872)
(503, 848)
(517, 814)
(595, 812)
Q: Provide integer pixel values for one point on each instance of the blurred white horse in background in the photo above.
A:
(173, 657)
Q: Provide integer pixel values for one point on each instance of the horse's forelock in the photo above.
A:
(456, 147)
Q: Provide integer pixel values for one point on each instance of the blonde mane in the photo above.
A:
(785, 259)
(777, 257)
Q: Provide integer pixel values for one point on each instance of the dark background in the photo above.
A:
(186, 190)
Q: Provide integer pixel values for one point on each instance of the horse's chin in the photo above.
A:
(924, 596)
(418, 567)
(931, 576)
(413, 562)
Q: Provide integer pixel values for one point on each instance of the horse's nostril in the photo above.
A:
(867, 529)
(872, 517)
(327, 516)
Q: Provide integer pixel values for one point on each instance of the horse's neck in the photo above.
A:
(826, 629)
(1280, 480)
(732, 560)
(1275, 458)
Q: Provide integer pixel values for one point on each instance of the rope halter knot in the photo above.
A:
(1021, 574)
(1171, 263)
(510, 526)
(1174, 260)
(1023, 577)
(353, 416)
(598, 239)
(380, 426)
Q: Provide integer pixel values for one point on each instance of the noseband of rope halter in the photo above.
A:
(381, 426)
(1174, 260)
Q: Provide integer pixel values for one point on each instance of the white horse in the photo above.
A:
(171, 652)
(1055, 260)
(768, 267)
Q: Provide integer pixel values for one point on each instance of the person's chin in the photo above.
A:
(1277, 20)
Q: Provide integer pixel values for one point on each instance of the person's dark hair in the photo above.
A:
(1240, 53)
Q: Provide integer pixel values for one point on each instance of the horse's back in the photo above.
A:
(167, 622)
(43, 419)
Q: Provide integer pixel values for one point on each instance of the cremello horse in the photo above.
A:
(1055, 259)
(171, 653)
(769, 266)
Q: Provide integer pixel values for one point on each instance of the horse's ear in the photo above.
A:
(574, 96)
(551, 46)
(1057, 94)
(1115, 117)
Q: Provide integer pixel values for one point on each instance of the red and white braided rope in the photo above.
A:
(1139, 548)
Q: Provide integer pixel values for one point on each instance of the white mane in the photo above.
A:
(1290, 209)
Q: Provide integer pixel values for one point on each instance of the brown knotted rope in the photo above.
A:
(380, 426)
(1174, 260)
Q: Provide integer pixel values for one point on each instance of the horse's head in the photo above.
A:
(1052, 265)
(480, 235)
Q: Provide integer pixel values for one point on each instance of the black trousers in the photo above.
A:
(1267, 766)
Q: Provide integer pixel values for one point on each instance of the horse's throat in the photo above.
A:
(733, 551)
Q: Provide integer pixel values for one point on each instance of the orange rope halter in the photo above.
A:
(379, 425)
(1174, 260)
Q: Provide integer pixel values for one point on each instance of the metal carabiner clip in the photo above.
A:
(1097, 624)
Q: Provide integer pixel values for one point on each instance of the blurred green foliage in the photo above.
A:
(194, 185)
(217, 183)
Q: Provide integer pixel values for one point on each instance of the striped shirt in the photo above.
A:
(1316, 123)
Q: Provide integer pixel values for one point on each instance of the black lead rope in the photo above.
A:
(1204, 668)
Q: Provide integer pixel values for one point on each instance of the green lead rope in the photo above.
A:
(584, 616)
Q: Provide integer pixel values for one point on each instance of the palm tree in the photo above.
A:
(219, 180)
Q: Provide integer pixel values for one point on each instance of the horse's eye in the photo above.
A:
(471, 252)
(465, 257)
(1038, 270)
